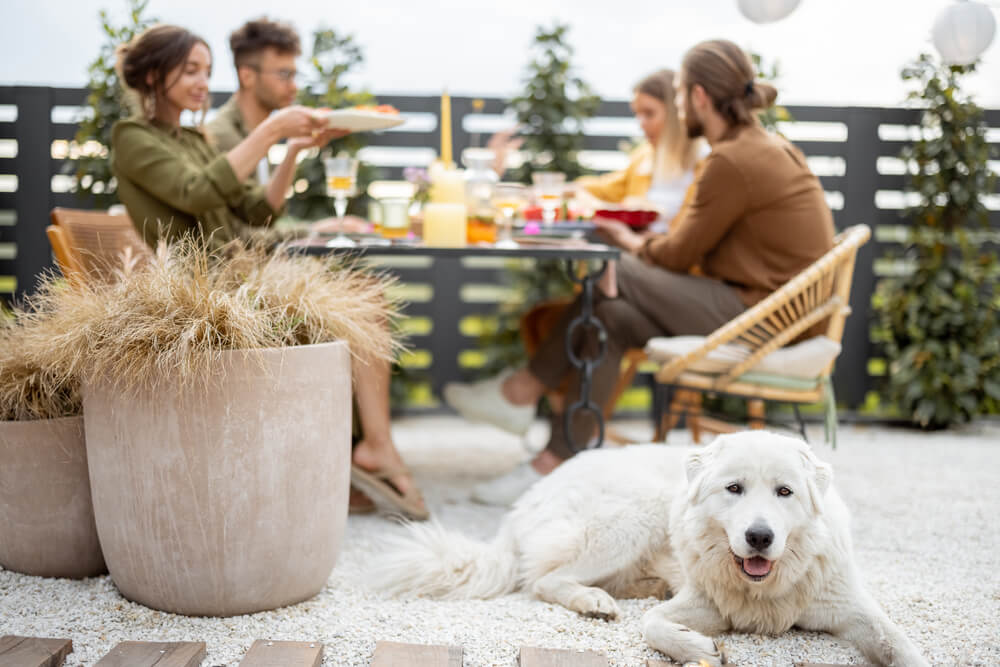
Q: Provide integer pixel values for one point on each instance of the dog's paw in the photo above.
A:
(683, 644)
(595, 603)
(703, 651)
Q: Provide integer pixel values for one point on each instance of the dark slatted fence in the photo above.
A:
(853, 150)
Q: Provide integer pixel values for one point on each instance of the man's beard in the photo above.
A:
(270, 101)
(693, 126)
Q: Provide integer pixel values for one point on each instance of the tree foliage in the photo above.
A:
(770, 73)
(106, 105)
(552, 107)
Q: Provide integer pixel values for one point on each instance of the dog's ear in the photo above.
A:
(695, 464)
(696, 474)
(819, 475)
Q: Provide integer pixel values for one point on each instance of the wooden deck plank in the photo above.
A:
(395, 654)
(160, 654)
(269, 653)
(549, 657)
(18, 651)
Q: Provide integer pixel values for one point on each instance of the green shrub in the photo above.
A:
(938, 318)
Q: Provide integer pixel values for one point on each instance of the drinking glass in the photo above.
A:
(508, 198)
(395, 222)
(341, 181)
(549, 186)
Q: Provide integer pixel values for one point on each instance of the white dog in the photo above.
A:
(747, 534)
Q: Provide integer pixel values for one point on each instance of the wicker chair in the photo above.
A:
(91, 245)
(816, 300)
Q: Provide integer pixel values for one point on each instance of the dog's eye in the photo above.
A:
(735, 488)
(784, 491)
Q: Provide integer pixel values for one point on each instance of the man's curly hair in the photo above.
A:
(254, 36)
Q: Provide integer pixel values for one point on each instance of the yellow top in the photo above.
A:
(633, 181)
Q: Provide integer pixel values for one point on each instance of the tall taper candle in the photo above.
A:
(446, 129)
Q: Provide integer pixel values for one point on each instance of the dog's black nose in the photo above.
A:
(759, 536)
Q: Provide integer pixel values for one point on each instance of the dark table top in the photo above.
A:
(533, 250)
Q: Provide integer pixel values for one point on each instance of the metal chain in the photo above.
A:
(585, 320)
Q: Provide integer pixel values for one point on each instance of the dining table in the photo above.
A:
(584, 261)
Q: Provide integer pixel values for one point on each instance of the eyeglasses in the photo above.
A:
(283, 74)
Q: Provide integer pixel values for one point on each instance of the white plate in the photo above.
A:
(361, 120)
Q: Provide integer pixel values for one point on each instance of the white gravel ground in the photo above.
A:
(926, 533)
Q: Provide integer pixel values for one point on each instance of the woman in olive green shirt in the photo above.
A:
(171, 180)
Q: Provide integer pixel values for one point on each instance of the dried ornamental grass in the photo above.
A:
(31, 390)
(173, 318)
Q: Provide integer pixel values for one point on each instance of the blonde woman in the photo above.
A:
(662, 167)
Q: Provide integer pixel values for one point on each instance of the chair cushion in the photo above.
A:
(718, 360)
(805, 360)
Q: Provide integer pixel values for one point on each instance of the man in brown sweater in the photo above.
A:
(755, 217)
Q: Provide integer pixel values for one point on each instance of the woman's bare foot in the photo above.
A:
(545, 462)
(522, 388)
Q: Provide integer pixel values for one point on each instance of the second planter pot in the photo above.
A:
(46, 517)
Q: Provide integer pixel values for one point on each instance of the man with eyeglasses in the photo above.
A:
(264, 52)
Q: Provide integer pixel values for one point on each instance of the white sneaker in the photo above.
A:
(505, 489)
(484, 401)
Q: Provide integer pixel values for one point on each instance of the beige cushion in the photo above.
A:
(718, 360)
(802, 360)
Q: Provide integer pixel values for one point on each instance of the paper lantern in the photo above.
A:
(962, 31)
(767, 11)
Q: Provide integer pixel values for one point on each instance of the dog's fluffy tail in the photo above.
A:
(429, 560)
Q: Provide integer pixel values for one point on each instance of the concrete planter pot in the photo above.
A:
(46, 515)
(230, 499)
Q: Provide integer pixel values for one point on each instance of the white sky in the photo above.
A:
(836, 52)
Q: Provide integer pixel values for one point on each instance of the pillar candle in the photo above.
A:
(446, 129)
(444, 224)
(447, 185)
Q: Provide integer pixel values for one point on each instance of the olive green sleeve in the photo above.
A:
(168, 176)
(254, 208)
(222, 135)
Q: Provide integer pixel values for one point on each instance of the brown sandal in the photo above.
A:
(359, 503)
(376, 485)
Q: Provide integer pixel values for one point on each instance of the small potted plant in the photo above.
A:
(217, 395)
(46, 516)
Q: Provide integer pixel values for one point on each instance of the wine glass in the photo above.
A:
(549, 186)
(508, 198)
(341, 181)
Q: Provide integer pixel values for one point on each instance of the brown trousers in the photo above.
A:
(651, 302)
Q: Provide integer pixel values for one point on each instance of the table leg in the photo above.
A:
(586, 318)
